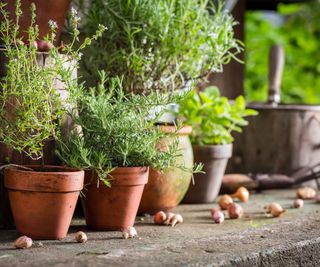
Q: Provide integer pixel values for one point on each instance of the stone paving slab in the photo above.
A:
(254, 240)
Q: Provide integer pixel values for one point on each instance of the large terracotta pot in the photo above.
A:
(165, 191)
(43, 202)
(207, 185)
(46, 10)
(10, 155)
(115, 207)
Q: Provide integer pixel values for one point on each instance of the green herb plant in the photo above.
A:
(31, 109)
(116, 129)
(159, 44)
(213, 117)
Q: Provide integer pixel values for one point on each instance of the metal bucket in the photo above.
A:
(282, 138)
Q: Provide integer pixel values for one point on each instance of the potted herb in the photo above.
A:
(42, 198)
(117, 145)
(164, 46)
(159, 45)
(213, 118)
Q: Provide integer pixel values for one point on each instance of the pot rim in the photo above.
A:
(213, 151)
(284, 107)
(185, 130)
(129, 176)
(44, 182)
(67, 169)
(135, 169)
(213, 146)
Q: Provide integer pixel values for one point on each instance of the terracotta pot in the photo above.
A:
(165, 191)
(207, 185)
(115, 207)
(47, 10)
(43, 202)
(8, 154)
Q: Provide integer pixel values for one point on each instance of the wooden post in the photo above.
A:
(231, 80)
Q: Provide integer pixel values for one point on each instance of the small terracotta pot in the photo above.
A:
(115, 207)
(165, 191)
(207, 185)
(43, 202)
(46, 10)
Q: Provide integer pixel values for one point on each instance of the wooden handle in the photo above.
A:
(276, 63)
(274, 181)
(231, 182)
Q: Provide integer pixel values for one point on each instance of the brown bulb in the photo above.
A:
(225, 201)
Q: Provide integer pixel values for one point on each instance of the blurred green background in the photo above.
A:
(297, 28)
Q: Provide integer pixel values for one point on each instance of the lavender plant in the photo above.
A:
(160, 44)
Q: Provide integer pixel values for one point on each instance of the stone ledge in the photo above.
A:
(254, 240)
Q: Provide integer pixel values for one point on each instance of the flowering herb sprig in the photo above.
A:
(31, 108)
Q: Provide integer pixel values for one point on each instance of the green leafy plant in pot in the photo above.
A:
(165, 46)
(116, 145)
(213, 119)
(42, 198)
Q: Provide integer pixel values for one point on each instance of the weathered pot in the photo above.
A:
(165, 191)
(43, 202)
(207, 185)
(115, 207)
(55, 10)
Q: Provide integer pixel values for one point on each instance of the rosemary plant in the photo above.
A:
(117, 131)
(31, 109)
(159, 44)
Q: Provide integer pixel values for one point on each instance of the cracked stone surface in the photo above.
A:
(254, 240)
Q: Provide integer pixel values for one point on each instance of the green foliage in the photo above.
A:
(300, 37)
(213, 117)
(117, 131)
(159, 44)
(31, 109)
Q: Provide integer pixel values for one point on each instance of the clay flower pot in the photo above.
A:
(165, 191)
(43, 202)
(55, 10)
(115, 207)
(207, 185)
(16, 157)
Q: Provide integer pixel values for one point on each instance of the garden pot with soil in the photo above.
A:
(207, 185)
(115, 207)
(165, 190)
(32, 117)
(9, 154)
(118, 144)
(43, 200)
(213, 118)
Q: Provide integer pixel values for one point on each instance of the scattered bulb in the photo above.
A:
(225, 201)
(23, 242)
(81, 237)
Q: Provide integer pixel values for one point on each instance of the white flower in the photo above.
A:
(52, 24)
(144, 41)
(74, 12)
